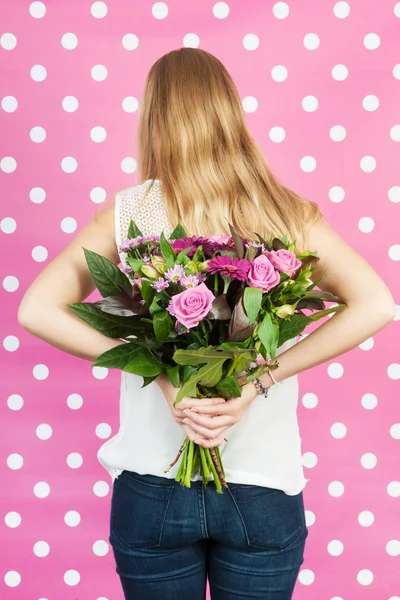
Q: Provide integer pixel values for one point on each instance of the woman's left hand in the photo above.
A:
(211, 422)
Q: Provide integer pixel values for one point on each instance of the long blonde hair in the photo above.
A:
(193, 137)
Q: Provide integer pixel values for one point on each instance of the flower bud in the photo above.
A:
(150, 271)
(284, 311)
(159, 263)
(202, 266)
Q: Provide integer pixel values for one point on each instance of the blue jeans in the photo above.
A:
(167, 539)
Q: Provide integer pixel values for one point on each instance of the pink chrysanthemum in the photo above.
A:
(230, 267)
(174, 274)
(189, 281)
(160, 284)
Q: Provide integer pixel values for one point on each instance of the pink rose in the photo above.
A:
(284, 260)
(192, 305)
(262, 274)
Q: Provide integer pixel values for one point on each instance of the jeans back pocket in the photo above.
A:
(138, 511)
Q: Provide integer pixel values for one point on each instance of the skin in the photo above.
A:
(66, 279)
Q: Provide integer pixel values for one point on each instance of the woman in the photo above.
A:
(199, 164)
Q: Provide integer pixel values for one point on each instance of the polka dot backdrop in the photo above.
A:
(320, 85)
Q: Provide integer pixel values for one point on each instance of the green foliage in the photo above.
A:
(290, 328)
(229, 387)
(178, 233)
(144, 363)
(148, 292)
(109, 279)
(117, 357)
(167, 251)
(133, 230)
(173, 376)
(268, 333)
(162, 324)
(110, 325)
(252, 302)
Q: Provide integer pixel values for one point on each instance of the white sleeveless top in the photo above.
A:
(263, 448)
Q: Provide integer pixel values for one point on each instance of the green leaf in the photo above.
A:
(148, 380)
(209, 375)
(207, 354)
(123, 306)
(291, 328)
(182, 258)
(108, 324)
(166, 250)
(252, 302)
(268, 332)
(173, 376)
(117, 357)
(162, 324)
(109, 279)
(178, 232)
(148, 292)
(133, 230)
(188, 371)
(229, 387)
(145, 364)
(327, 311)
(154, 306)
(233, 345)
(135, 264)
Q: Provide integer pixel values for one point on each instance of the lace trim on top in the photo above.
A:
(148, 212)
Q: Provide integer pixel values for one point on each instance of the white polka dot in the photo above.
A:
(44, 431)
(277, 134)
(9, 104)
(128, 165)
(395, 431)
(99, 9)
(103, 430)
(40, 372)
(368, 460)
(99, 72)
(335, 548)
(310, 517)
(8, 164)
(70, 104)
(15, 461)
(74, 401)
(74, 460)
(8, 225)
(130, 104)
(37, 10)
(251, 41)
(397, 315)
(72, 518)
(15, 402)
(10, 283)
(365, 577)
(11, 343)
(249, 104)
(393, 489)
(396, 9)
(220, 10)
(394, 193)
(366, 518)
(341, 10)
(69, 164)
(310, 400)
(396, 71)
(368, 344)
(372, 41)
(308, 164)
(38, 73)
(366, 224)
(394, 252)
(369, 401)
(41, 489)
(159, 10)
(100, 548)
(368, 164)
(130, 41)
(311, 41)
(98, 195)
(101, 489)
(98, 134)
(191, 40)
(336, 194)
(393, 371)
(309, 459)
(39, 253)
(370, 103)
(69, 41)
(306, 577)
(12, 578)
(336, 489)
(68, 225)
(337, 133)
(37, 195)
(99, 372)
(393, 547)
(72, 577)
(279, 73)
(309, 103)
(335, 370)
(340, 72)
(41, 549)
(280, 10)
(395, 133)
(8, 41)
(13, 519)
(338, 430)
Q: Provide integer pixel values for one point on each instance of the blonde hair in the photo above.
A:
(193, 137)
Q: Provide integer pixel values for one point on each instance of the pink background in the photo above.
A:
(320, 84)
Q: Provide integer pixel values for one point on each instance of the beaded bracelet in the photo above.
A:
(261, 389)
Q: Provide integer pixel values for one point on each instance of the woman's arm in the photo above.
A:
(370, 305)
(67, 279)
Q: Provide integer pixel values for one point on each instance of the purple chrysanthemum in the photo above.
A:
(230, 267)
(201, 276)
(160, 284)
(137, 241)
(209, 244)
(189, 281)
(174, 274)
(171, 309)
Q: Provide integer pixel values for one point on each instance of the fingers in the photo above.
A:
(188, 402)
(208, 443)
(206, 421)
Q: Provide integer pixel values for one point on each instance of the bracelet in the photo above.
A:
(273, 378)
(261, 389)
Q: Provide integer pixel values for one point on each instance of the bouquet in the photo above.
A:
(202, 310)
